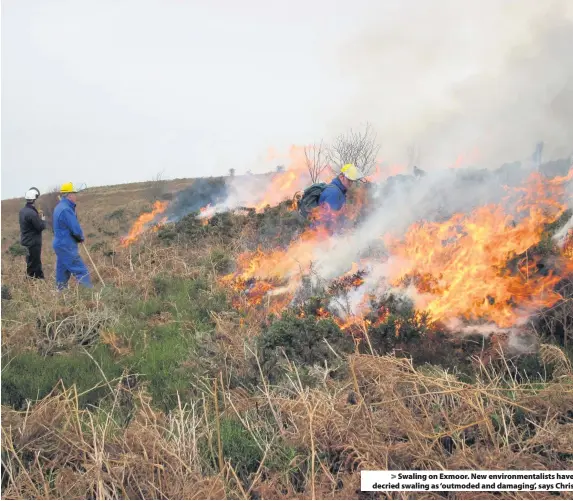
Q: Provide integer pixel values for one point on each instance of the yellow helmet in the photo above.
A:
(68, 188)
(352, 172)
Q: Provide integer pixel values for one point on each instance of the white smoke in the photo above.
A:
(435, 197)
(242, 191)
(258, 190)
(520, 340)
(561, 236)
(454, 78)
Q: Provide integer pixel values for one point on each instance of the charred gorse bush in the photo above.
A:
(304, 342)
(225, 226)
(276, 227)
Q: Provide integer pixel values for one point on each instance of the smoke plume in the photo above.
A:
(202, 192)
(466, 82)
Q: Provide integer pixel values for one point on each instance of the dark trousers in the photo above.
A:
(34, 262)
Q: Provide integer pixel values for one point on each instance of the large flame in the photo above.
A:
(283, 270)
(461, 266)
(473, 267)
(280, 265)
(144, 222)
(283, 184)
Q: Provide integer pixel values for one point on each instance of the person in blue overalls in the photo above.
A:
(67, 235)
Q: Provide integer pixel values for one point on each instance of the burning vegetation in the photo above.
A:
(480, 267)
(472, 268)
(146, 221)
(240, 342)
(462, 266)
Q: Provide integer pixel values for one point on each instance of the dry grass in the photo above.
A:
(57, 451)
(394, 416)
(399, 417)
(38, 315)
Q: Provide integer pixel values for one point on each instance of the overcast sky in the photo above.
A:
(105, 92)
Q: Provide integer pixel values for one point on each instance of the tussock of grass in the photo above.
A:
(58, 451)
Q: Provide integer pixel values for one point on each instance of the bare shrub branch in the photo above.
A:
(315, 156)
(358, 148)
(158, 185)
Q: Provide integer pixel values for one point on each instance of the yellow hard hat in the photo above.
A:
(68, 188)
(351, 172)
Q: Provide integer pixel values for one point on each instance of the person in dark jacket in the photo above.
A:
(32, 224)
(67, 234)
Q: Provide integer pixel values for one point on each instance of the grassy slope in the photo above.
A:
(94, 204)
(147, 353)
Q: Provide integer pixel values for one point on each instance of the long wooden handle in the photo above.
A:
(93, 264)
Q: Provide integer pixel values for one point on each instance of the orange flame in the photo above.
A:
(277, 273)
(351, 321)
(143, 222)
(285, 184)
(461, 265)
(280, 264)
(204, 214)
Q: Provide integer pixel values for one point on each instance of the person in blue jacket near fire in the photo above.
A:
(333, 198)
(67, 234)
